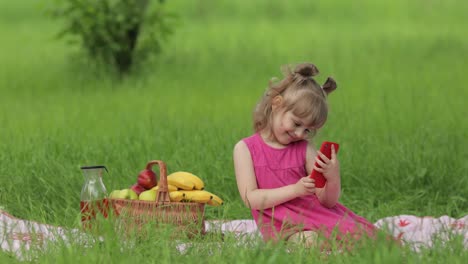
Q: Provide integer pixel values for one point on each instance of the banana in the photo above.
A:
(180, 182)
(197, 182)
(215, 200)
(170, 187)
(198, 196)
(176, 196)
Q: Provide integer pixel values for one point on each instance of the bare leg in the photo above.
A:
(306, 238)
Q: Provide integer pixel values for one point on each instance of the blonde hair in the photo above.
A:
(301, 94)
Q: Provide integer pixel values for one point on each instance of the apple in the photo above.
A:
(128, 194)
(137, 188)
(114, 194)
(149, 195)
(147, 177)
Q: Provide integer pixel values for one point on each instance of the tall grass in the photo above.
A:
(398, 111)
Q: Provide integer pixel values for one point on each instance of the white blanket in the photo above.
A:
(19, 236)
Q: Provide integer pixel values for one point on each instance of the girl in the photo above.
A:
(272, 165)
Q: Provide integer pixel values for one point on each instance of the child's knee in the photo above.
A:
(306, 238)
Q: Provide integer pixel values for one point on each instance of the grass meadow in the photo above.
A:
(399, 114)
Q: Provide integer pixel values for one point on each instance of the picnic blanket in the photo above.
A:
(19, 236)
(416, 231)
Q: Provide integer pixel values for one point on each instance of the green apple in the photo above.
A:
(115, 194)
(124, 194)
(129, 194)
(149, 195)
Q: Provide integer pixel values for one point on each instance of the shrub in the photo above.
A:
(116, 32)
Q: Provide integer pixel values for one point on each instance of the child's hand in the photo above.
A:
(305, 186)
(329, 167)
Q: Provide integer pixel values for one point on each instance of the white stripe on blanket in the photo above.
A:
(19, 236)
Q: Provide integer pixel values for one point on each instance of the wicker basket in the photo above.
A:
(132, 215)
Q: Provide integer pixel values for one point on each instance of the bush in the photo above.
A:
(116, 32)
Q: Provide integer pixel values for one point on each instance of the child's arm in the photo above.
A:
(259, 199)
(330, 193)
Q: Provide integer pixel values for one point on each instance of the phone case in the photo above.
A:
(326, 150)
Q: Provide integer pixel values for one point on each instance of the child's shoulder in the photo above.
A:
(244, 147)
(242, 143)
(250, 139)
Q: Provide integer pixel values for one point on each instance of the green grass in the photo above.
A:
(398, 112)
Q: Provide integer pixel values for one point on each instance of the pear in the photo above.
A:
(115, 194)
(149, 195)
(128, 194)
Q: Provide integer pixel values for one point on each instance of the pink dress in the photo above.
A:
(279, 167)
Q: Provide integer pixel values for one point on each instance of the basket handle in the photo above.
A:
(163, 191)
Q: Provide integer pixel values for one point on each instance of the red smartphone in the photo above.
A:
(326, 150)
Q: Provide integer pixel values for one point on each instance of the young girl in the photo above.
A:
(272, 165)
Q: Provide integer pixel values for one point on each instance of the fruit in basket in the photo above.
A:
(124, 194)
(147, 177)
(179, 182)
(176, 196)
(170, 188)
(129, 194)
(137, 188)
(114, 194)
(149, 195)
(215, 200)
(186, 181)
(188, 177)
(198, 196)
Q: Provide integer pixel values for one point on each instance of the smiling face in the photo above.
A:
(295, 115)
(288, 128)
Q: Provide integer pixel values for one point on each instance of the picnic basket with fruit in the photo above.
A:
(177, 199)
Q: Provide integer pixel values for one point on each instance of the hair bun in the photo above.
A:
(306, 70)
(329, 85)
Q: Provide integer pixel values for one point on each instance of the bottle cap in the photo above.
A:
(94, 167)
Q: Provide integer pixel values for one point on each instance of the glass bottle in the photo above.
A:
(93, 195)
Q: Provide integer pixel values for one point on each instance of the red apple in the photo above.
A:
(137, 188)
(147, 177)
